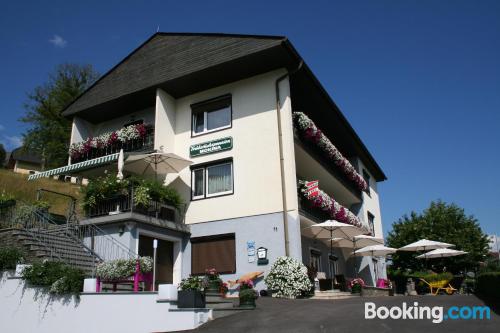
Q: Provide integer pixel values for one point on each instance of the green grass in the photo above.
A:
(25, 191)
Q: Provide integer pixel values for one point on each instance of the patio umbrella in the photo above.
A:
(121, 162)
(331, 228)
(155, 163)
(357, 242)
(375, 251)
(424, 245)
(441, 253)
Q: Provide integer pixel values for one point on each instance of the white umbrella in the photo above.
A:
(440, 253)
(332, 228)
(358, 242)
(155, 164)
(375, 251)
(121, 162)
(424, 245)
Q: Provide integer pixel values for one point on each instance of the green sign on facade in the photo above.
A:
(210, 147)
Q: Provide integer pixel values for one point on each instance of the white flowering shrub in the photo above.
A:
(288, 278)
(123, 268)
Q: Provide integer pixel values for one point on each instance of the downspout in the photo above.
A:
(282, 159)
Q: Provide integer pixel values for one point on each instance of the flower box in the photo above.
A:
(190, 299)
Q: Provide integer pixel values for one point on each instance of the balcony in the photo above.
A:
(145, 143)
(311, 165)
(124, 204)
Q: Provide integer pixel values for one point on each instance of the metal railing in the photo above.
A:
(143, 144)
(93, 245)
(125, 203)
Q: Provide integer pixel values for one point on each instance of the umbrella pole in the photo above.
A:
(331, 254)
(355, 261)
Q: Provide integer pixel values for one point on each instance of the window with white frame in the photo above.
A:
(371, 223)
(212, 180)
(212, 115)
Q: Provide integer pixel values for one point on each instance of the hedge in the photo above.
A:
(488, 284)
(10, 257)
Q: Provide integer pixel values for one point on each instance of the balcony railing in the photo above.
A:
(137, 145)
(126, 204)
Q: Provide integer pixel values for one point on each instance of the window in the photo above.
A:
(218, 251)
(315, 260)
(366, 177)
(371, 223)
(212, 180)
(211, 115)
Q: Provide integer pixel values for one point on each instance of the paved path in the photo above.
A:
(347, 315)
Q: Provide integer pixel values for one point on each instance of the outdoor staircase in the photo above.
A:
(223, 306)
(333, 295)
(77, 245)
(56, 244)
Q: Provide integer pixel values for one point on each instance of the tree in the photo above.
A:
(50, 132)
(3, 155)
(441, 222)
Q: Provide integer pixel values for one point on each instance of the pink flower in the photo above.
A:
(113, 138)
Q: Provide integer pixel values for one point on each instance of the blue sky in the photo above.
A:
(418, 80)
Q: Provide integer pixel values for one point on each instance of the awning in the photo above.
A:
(70, 169)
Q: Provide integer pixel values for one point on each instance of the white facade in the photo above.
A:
(257, 174)
(28, 309)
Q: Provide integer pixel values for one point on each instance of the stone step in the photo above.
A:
(329, 294)
(62, 246)
(220, 305)
(214, 297)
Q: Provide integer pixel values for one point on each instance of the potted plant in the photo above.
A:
(356, 285)
(190, 294)
(247, 294)
(212, 281)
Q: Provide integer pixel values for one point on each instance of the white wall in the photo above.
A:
(24, 309)
(82, 129)
(148, 115)
(255, 151)
(165, 114)
(371, 202)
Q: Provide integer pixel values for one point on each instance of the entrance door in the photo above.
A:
(164, 257)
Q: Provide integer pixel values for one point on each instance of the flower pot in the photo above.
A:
(247, 302)
(190, 299)
(356, 289)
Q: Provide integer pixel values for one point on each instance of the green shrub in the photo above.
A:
(144, 190)
(288, 278)
(488, 284)
(191, 283)
(248, 294)
(58, 277)
(6, 198)
(10, 257)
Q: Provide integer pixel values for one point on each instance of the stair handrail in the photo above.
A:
(28, 227)
(70, 229)
(35, 220)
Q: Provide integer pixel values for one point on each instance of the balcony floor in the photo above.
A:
(136, 217)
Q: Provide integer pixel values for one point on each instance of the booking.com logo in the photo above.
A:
(436, 313)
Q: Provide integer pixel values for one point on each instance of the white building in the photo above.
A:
(225, 102)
